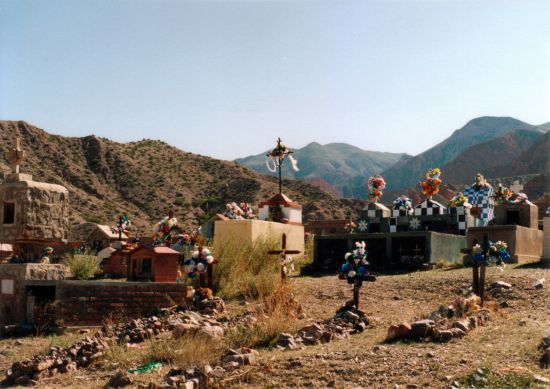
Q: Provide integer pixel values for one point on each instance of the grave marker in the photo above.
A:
(354, 270)
(283, 252)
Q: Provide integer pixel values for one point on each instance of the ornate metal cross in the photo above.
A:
(284, 252)
(278, 154)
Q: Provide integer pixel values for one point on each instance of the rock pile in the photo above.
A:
(444, 324)
(195, 378)
(545, 346)
(90, 349)
(58, 360)
(346, 322)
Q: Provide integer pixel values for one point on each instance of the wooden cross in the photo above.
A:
(16, 155)
(284, 252)
(416, 249)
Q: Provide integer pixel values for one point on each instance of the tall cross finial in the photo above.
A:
(16, 155)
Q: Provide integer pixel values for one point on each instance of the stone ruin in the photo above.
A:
(33, 214)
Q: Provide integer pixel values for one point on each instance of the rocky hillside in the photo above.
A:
(491, 157)
(340, 165)
(147, 178)
(408, 173)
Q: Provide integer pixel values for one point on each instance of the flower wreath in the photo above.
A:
(502, 194)
(276, 156)
(375, 186)
(494, 253)
(459, 200)
(403, 203)
(163, 229)
(248, 213)
(354, 270)
(517, 198)
(431, 185)
(198, 263)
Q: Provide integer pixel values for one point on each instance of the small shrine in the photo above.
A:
(276, 216)
(281, 209)
(158, 264)
(33, 215)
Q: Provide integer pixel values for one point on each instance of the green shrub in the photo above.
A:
(82, 266)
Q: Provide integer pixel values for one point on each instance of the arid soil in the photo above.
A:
(505, 350)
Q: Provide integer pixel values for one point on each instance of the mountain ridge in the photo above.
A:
(146, 178)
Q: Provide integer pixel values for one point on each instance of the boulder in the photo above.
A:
(422, 328)
(464, 324)
(397, 332)
(213, 332)
(443, 336)
(119, 380)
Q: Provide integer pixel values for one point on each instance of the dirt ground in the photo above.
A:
(506, 347)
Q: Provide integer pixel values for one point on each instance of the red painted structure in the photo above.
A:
(158, 264)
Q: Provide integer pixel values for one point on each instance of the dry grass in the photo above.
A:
(246, 271)
(276, 313)
(184, 352)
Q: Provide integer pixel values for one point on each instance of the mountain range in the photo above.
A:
(342, 166)
(498, 147)
(147, 178)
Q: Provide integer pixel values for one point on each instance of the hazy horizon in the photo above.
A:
(224, 79)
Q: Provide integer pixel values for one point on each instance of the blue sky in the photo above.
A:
(225, 78)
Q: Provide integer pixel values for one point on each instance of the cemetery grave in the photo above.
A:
(311, 319)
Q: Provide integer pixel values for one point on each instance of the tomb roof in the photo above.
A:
(25, 180)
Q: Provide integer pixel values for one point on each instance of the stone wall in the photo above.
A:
(92, 302)
(41, 210)
(14, 279)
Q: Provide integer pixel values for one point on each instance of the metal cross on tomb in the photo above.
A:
(283, 252)
(16, 155)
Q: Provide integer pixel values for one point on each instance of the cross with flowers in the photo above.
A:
(201, 264)
(286, 262)
(275, 160)
(354, 270)
(121, 226)
(484, 255)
